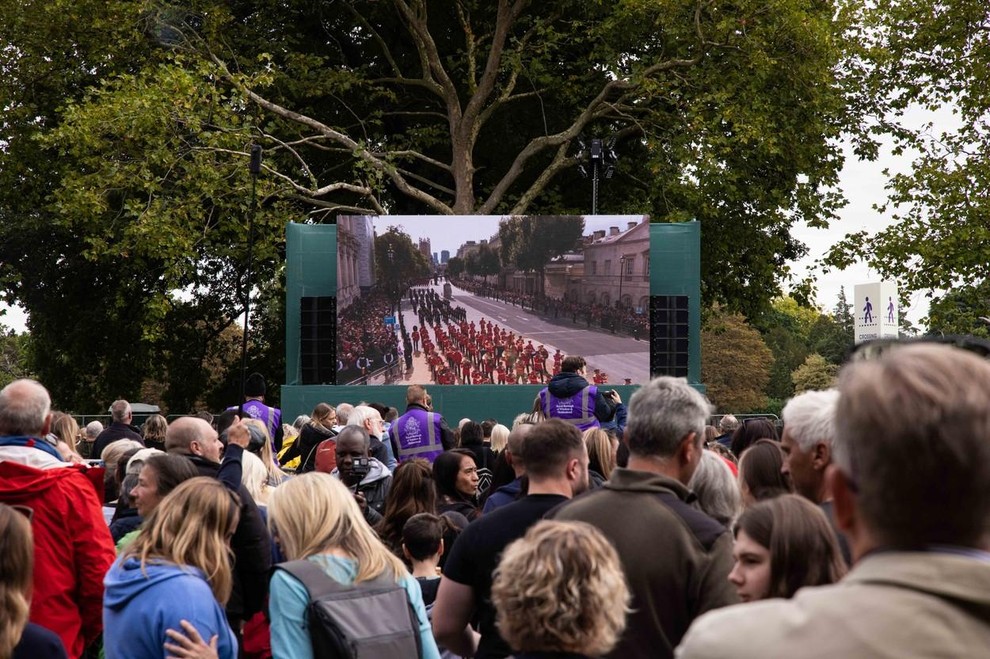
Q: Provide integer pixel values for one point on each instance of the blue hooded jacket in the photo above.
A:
(138, 606)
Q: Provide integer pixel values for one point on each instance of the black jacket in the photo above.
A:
(309, 438)
(252, 547)
(111, 434)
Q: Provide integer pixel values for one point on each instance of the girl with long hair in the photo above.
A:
(602, 451)
(413, 491)
(318, 429)
(315, 517)
(784, 544)
(265, 452)
(177, 569)
(761, 473)
(18, 637)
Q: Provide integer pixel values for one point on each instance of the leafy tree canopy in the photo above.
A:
(735, 363)
(815, 374)
(127, 126)
(931, 54)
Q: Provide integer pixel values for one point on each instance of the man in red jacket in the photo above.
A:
(72, 545)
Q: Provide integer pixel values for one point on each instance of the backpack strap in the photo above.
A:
(318, 583)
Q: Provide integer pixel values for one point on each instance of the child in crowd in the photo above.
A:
(422, 545)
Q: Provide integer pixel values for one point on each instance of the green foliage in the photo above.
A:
(529, 243)
(13, 356)
(455, 266)
(932, 55)
(961, 311)
(735, 364)
(483, 261)
(398, 261)
(127, 125)
(815, 374)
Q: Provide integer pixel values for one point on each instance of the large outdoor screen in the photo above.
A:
(491, 299)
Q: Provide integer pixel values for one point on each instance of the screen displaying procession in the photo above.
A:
(490, 299)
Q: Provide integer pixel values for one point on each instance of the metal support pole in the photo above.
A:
(594, 187)
(255, 168)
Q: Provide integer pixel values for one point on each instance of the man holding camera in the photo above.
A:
(570, 398)
(366, 477)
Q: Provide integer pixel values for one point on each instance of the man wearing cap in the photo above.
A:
(569, 397)
(420, 432)
(255, 408)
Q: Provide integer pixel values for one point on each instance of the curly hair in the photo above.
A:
(561, 588)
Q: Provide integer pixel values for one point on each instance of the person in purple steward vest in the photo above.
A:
(420, 432)
(254, 407)
(569, 397)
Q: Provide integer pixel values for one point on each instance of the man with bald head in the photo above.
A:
(197, 440)
(513, 449)
(72, 545)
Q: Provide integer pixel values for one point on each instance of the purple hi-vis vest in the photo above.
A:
(270, 416)
(579, 409)
(418, 434)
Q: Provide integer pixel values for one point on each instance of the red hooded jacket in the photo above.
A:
(72, 549)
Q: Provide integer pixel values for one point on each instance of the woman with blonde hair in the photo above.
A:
(315, 517)
(602, 450)
(500, 437)
(111, 455)
(254, 477)
(560, 589)
(153, 431)
(177, 570)
(18, 637)
(275, 473)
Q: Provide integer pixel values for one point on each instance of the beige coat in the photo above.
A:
(893, 604)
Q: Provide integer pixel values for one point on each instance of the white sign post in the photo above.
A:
(876, 311)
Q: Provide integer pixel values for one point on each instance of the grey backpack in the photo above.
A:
(369, 620)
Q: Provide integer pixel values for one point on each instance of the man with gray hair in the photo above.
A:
(809, 426)
(119, 428)
(72, 546)
(726, 426)
(676, 559)
(343, 411)
(911, 486)
(367, 417)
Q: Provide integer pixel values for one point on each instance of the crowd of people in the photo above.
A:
(457, 351)
(856, 529)
(364, 342)
(462, 352)
(626, 319)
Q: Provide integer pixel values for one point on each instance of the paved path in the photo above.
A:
(620, 356)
